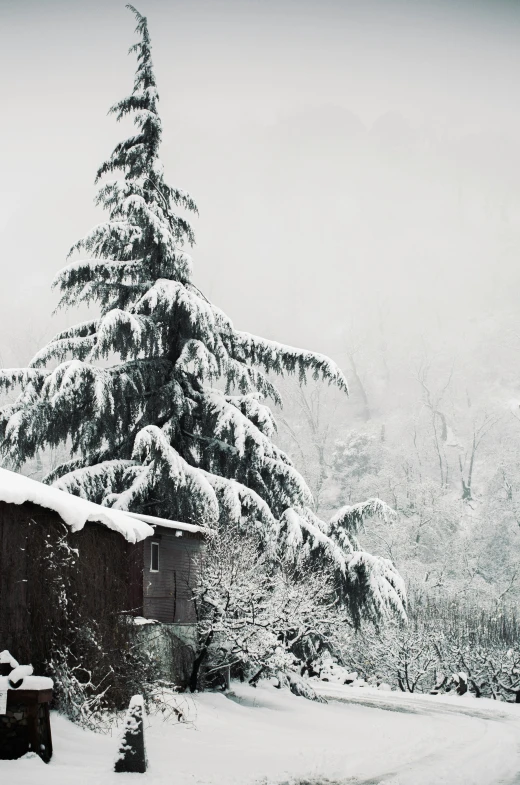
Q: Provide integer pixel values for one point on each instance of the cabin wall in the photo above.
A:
(135, 574)
(168, 594)
(14, 530)
(31, 615)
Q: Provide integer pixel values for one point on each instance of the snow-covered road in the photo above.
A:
(268, 736)
(470, 741)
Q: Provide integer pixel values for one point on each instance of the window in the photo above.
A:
(154, 560)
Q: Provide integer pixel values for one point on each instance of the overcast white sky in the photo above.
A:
(349, 158)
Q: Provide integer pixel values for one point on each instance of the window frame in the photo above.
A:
(154, 542)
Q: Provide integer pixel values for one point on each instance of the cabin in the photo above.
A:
(112, 562)
(166, 566)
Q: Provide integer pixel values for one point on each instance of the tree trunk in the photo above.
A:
(199, 659)
(253, 681)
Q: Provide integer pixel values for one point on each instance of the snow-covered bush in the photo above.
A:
(491, 670)
(327, 669)
(98, 667)
(261, 616)
(396, 654)
(446, 646)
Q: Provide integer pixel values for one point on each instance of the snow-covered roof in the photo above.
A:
(183, 527)
(17, 489)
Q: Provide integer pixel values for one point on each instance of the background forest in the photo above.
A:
(441, 449)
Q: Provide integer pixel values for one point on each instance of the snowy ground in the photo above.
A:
(269, 736)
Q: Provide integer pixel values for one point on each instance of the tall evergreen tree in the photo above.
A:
(160, 399)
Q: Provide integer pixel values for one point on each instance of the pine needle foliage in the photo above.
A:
(164, 405)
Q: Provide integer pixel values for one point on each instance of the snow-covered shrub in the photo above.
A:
(301, 687)
(164, 699)
(480, 642)
(97, 669)
(487, 670)
(398, 654)
(261, 616)
(446, 646)
(77, 696)
(330, 670)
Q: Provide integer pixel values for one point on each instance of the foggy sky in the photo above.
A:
(353, 162)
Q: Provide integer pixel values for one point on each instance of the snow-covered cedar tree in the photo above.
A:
(162, 401)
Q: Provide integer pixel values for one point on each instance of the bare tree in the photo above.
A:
(352, 349)
(433, 401)
(311, 427)
(466, 474)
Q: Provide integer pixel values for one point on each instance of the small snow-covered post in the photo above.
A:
(461, 682)
(132, 751)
